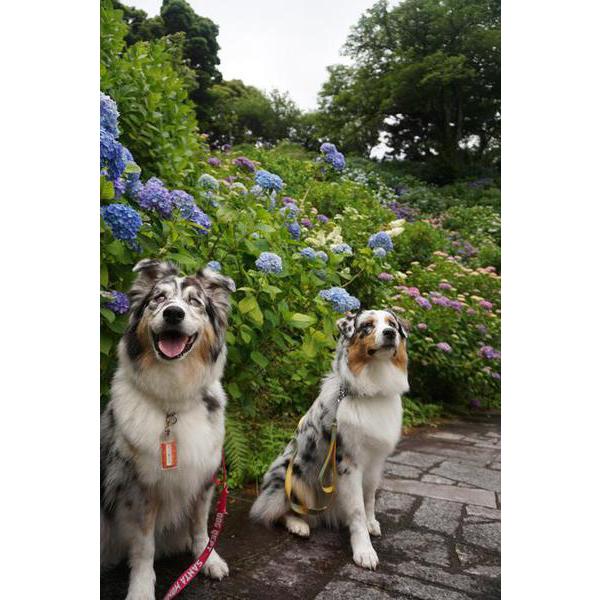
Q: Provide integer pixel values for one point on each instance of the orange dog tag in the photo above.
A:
(168, 454)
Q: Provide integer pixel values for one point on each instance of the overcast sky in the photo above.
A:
(280, 44)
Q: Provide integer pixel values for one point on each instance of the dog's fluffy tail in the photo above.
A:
(272, 503)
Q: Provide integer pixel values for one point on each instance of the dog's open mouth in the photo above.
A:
(173, 344)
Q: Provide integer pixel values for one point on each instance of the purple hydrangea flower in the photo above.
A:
(445, 286)
(486, 305)
(123, 221)
(441, 301)
(120, 186)
(179, 198)
(340, 299)
(289, 211)
(213, 161)
(244, 163)
(455, 304)
(155, 196)
(383, 276)
(475, 403)
(423, 302)
(403, 211)
(327, 148)
(489, 353)
(422, 326)
(323, 219)
(306, 223)
(381, 240)
(496, 375)
(338, 162)
(471, 311)
(226, 147)
(444, 347)
(268, 262)
(119, 304)
(481, 328)
(413, 292)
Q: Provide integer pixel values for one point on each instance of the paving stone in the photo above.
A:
(484, 570)
(350, 590)
(478, 456)
(398, 585)
(486, 535)
(390, 502)
(484, 445)
(481, 513)
(426, 573)
(468, 555)
(469, 474)
(416, 459)
(493, 434)
(427, 478)
(495, 466)
(445, 435)
(438, 515)
(399, 470)
(427, 547)
(443, 492)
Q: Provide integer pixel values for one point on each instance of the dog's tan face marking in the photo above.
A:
(359, 345)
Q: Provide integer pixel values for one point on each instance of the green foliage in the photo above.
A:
(150, 84)
(478, 224)
(418, 243)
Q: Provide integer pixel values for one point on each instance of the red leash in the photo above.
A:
(188, 575)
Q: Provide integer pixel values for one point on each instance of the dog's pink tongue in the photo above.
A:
(172, 346)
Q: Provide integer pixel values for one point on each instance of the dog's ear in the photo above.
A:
(346, 325)
(403, 327)
(149, 272)
(218, 289)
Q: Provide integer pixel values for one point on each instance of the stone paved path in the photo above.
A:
(439, 509)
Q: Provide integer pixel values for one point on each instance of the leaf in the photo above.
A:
(260, 359)
(256, 315)
(106, 343)
(247, 304)
(302, 321)
(107, 189)
(108, 314)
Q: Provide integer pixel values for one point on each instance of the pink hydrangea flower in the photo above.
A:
(385, 276)
(421, 326)
(444, 347)
(486, 305)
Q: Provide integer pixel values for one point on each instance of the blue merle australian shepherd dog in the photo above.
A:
(363, 392)
(167, 387)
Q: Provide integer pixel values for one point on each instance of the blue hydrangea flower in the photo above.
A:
(215, 265)
(340, 299)
(120, 187)
(337, 160)
(268, 181)
(289, 211)
(294, 230)
(256, 190)
(341, 249)
(111, 155)
(119, 304)
(133, 188)
(179, 198)
(123, 221)
(208, 182)
(323, 219)
(379, 252)
(308, 253)
(268, 262)
(328, 148)
(109, 115)
(322, 256)
(381, 240)
(195, 215)
(155, 196)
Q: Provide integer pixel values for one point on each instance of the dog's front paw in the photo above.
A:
(215, 567)
(366, 558)
(141, 585)
(374, 527)
(140, 595)
(297, 526)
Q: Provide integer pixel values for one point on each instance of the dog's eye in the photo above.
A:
(367, 328)
(195, 302)
(160, 298)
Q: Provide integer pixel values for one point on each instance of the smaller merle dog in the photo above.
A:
(162, 431)
(364, 392)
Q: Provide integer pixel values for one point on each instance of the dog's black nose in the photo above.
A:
(173, 314)
(389, 333)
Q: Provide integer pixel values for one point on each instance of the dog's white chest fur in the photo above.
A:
(372, 426)
(199, 439)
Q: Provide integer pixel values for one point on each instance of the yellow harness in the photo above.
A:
(328, 464)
